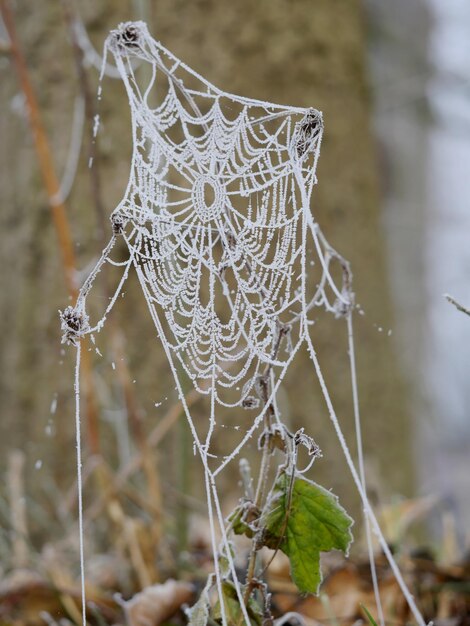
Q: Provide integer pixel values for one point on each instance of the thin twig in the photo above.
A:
(15, 479)
(154, 438)
(90, 112)
(457, 305)
(43, 151)
(59, 215)
(264, 386)
(134, 410)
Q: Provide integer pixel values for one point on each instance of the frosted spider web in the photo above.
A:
(217, 220)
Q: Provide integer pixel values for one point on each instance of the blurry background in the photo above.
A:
(419, 57)
(393, 82)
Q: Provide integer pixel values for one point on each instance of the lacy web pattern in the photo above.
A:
(217, 220)
(217, 197)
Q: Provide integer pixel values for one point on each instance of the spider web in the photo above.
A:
(218, 214)
(216, 217)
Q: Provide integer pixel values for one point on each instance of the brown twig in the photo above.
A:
(264, 387)
(5, 47)
(57, 207)
(42, 148)
(90, 112)
(134, 410)
(457, 305)
(154, 438)
(19, 525)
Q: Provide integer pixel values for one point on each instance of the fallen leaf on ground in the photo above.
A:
(155, 604)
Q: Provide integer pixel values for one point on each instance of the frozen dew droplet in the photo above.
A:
(96, 125)
(54, 404)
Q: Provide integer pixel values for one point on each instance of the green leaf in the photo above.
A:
(241, 518)
(224, 560)
(303, 519)
(239, 526)
(233, 611)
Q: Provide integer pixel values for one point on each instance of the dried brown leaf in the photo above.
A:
(155, 604)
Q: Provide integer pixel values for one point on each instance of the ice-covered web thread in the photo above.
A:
(218, 217)
(217, 220)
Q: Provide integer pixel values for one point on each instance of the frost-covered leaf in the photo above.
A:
(233, 612)
(224, 560)
(198, 614)
(303, 519)
(157, 603)
(242, 518)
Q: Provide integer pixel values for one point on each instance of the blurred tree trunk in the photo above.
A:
(302, 52)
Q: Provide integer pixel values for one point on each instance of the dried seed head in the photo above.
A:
(307, 132)
(73, 324)
(302, 439)
(274, 437)
(118, 223)
(250, 402)
(129, 35)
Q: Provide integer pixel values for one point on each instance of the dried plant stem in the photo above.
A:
(41, 145)
(154, 438)
(142, 9)
(184, 445)
(15, 480)
(259, 496)
(183, 482)
(90, 111)
(458, 306)
(265, 393)
(58, 210)
(134, 410)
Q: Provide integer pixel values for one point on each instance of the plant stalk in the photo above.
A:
(264, 384)
(59, 214)
(134, 410)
